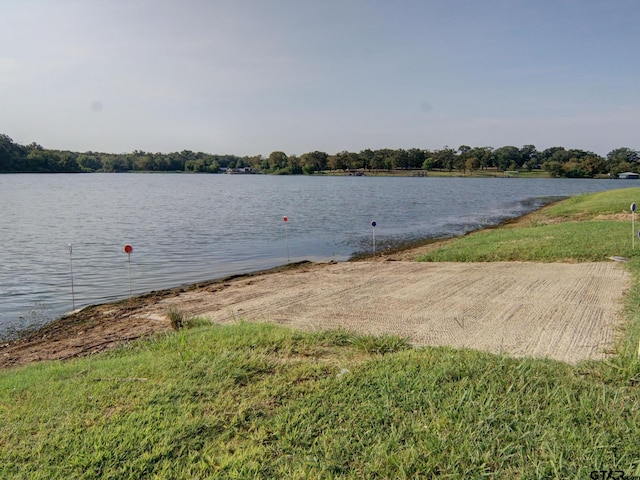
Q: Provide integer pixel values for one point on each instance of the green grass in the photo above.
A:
(255, 401)
(259, 401)
(571, 241)
(594, 204)
(590, 239)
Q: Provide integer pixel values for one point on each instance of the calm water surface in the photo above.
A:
(189, 228)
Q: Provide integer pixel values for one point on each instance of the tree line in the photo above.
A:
(557, 161)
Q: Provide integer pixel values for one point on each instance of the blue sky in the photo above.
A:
(248, 77)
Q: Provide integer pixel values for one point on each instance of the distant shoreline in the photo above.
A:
(417, 173)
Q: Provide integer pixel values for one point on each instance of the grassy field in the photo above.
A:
(259, 401)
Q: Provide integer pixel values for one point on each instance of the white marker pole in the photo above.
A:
(286, 235)
(73, 296)
(633, 225)
(373, 228)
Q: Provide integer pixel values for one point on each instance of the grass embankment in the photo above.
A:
(259, 401)
(582, 228)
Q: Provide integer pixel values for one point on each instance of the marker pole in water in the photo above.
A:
(633, 225)
(73, 295)
(373, 229)
(286, 235)
(128, 249)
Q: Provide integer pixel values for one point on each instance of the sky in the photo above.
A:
(248, 77)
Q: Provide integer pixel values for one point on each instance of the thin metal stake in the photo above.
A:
(129, 258)
(128, 249)
(373, 228)
(633, 224)
(286, 236)
(73, 295)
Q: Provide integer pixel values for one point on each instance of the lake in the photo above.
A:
(189, 228)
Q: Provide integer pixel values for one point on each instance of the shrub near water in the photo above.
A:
(177, 318)
(180, 320)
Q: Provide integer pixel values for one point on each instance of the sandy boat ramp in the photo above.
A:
(565, 311)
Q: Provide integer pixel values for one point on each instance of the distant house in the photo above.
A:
(239, 170)
(629, 175)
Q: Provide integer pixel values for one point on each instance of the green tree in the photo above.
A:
(462, 157)
(484, 156)
(171, 162)
(445, 158)
(68, 162)
(346, 160)
(89, 162)
(294, 165)
(115, 163)
(547, 154)
(619, 156)
(528, 157)
(366, 158)
(382, 159)
(594, 165)
(507, 157)
(277, 162)
(573, 169)
(39, 160)
(561, 155)
(255, 162)
(314, 161)
(400, 159)
(145, 162)
(12, 155)
(623, 167)
(427, 164)
(472, 164)
(554, 168)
